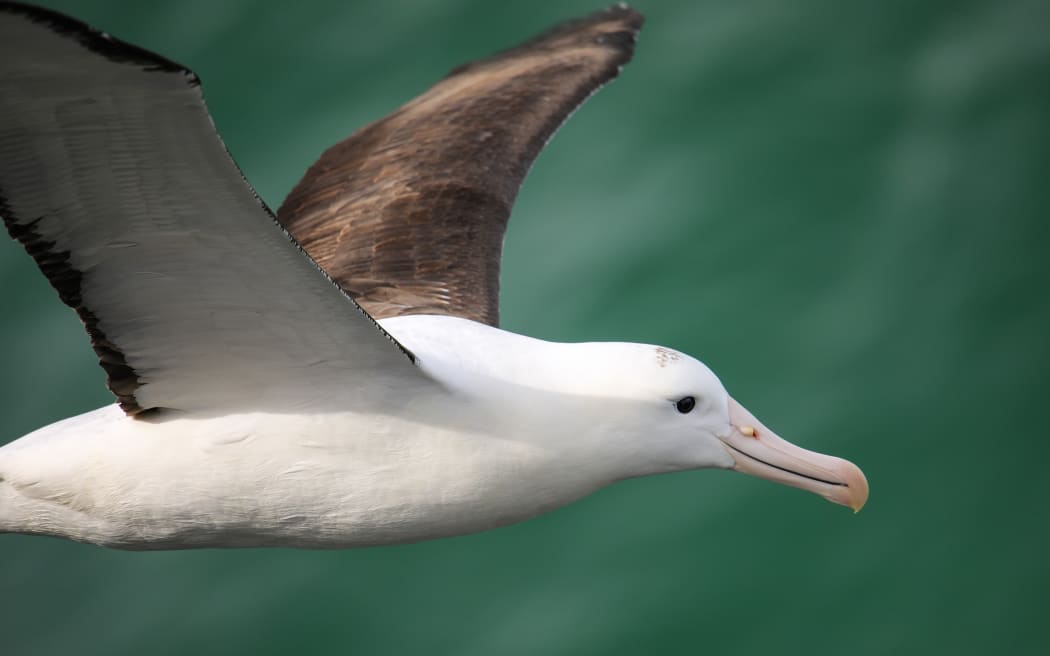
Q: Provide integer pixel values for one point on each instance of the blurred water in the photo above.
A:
(841, 207)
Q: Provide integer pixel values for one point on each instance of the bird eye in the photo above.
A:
(685, 404)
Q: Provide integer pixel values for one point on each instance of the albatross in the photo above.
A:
(333, 375)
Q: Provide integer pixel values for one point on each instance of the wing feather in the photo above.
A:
(408, 214)
(114, 179)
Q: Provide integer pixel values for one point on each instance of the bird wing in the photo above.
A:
(408, 213)
(113, 178)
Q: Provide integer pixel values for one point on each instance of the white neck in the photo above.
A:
(561, 390)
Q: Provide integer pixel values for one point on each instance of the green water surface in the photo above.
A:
(841, 207)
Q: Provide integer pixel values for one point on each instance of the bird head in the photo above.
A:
(682, 417)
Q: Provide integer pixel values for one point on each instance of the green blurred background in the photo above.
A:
(840, 206)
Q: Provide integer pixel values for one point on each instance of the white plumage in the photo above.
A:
(259, 405)
(499, 440)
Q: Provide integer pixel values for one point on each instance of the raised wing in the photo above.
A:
(408, 214)
(113, 178)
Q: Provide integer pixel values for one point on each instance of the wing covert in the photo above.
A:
(408, 213)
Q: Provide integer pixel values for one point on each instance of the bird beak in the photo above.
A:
(760, 452)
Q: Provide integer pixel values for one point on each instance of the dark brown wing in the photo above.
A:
(408, 213)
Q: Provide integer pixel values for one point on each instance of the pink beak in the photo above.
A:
(760, 452)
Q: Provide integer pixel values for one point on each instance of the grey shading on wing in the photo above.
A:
(408, 213)
(114, 180)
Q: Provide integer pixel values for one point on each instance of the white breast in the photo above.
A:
(333, 480)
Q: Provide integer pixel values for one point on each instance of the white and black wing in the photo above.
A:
(113, 178)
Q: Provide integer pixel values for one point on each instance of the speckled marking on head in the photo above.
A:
(665, 356)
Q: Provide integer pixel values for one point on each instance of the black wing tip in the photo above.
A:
(624, 23)
(630, 22)
(121, 379)
(96, 40)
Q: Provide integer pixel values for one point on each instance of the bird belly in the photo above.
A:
(332, 480)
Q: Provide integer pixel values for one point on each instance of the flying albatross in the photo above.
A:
(335, 377)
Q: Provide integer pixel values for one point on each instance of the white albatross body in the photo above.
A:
(259, 402)
(500, 441)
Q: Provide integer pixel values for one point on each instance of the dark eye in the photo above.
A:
(685, 404)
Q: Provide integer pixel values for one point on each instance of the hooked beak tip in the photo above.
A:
(856, 486)
(761, 452)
